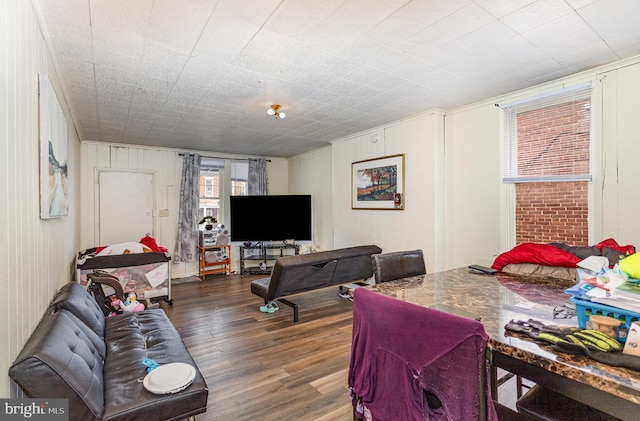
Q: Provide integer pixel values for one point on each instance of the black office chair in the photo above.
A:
(398, 265)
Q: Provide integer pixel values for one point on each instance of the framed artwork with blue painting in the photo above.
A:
(54, 173)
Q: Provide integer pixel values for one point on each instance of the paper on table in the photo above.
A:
(597, 293)
(525, 304)
(594, 263)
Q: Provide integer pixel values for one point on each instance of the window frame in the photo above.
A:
(509, 182)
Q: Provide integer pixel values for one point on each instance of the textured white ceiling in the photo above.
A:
(200, 74)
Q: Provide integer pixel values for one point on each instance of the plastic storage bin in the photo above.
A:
(584, 310)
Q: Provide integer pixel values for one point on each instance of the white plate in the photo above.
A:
(169, 378)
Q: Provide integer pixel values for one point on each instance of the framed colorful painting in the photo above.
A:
(378, 183)
(54, 180)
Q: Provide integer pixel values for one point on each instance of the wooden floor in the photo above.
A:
(262, 366)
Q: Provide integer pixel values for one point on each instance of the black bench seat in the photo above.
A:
(306, 272)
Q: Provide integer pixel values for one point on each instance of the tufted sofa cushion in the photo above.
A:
(130, 338)
(73, 297)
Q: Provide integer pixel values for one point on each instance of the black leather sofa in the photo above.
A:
(97, 362)
(306, 272)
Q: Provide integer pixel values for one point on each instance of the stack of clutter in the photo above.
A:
(618, 286)
(608, 299)
(218, 236)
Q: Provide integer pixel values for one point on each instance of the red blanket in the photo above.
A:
(542, 254)
(148, 242)
(151, 243)
(548, 255)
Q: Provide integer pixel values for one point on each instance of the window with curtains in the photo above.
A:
(214, 178)
(547, 159)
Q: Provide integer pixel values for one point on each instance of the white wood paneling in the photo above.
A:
(310, 173)
(166, 166)
(473, 185)
(621, 149)
(36, 256)
(278, 174)
(420, 139)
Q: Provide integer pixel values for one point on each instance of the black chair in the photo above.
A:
(398, 265)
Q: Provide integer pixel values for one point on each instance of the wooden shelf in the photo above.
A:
(207, 268)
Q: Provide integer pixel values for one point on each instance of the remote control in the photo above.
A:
(483, 269)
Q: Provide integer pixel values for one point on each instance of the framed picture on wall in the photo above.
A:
(54, 179)
(378, 183)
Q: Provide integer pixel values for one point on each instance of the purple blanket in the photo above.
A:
(401, 350)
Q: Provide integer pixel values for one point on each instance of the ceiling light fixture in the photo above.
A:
(275, 110)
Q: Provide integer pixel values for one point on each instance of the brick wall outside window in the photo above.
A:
(552, 212)
(553, 141)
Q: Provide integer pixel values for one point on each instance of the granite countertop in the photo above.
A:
(493, 300)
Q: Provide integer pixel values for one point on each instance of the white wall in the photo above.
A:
(420, 139)
(620, 203)
(472, 187)
(317, 162)
(166, 166)
(36, 256)
(278, 173)
(163, 164)
(452, 188)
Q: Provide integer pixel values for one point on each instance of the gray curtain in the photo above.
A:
(258, 184)
(187, 240)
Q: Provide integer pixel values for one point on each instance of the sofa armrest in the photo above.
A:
(61, 360)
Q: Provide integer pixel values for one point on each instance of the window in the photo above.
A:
(239, 176)
(210, 172)
(211, 186)
(214, 181)
(547, 144)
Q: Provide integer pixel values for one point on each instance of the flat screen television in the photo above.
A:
(270, 218)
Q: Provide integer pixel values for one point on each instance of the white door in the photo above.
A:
(126, 206)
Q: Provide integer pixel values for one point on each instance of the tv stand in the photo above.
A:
(252, 256)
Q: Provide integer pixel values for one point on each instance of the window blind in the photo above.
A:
(547, 137)
(240, 170)
(211, 164)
